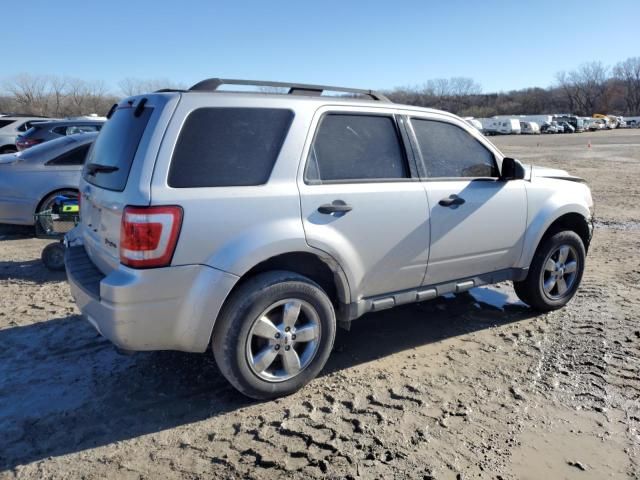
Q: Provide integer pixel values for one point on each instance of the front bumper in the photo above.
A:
(172, 308)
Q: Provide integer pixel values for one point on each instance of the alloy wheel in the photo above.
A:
(283, 340)
(560, 272)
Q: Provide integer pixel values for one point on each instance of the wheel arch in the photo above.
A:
(8, 148)
(321, 269)
(46, 195)
(572, 220)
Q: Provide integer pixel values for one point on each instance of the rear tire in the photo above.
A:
(555, 272)
(274, 334)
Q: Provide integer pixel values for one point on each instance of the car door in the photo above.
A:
(361, 203)
(477, 219)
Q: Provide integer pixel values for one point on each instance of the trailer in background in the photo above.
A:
(529, 128)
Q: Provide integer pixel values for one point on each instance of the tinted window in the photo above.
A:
(73, 129)
(220, 147)
(4, 123)
(73, 157)
(116, 146)
(449, 151)
(356, 147)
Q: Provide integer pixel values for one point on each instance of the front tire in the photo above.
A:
(555, 272)
(274, 334)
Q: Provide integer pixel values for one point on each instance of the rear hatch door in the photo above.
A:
(118, 171)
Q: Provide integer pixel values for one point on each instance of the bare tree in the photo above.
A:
(58, 93)
(135, 86)
(585, 87)
(30, 93)
(628, 72)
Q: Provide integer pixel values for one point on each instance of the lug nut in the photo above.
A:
(277, 335)
(287, 329)
(287, 347)
(293, 337)
(277, 347)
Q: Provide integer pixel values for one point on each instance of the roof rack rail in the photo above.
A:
(212, 84)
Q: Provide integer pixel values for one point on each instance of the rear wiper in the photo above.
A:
(94, 168)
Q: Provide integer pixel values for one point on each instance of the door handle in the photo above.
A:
(452, 201)
(337, 206)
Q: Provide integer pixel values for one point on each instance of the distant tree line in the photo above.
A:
(590, 88)
(55, 96)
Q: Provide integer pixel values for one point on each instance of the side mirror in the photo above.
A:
(512, 169)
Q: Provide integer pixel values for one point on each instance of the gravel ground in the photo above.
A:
(468, 386)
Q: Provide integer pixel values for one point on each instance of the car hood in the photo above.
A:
(554, 173)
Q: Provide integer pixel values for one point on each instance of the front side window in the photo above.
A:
(224, 147)
(450, 151)
(352, 147)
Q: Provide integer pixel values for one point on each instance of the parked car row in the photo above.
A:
(19, 132)
(30, 180)
(557, 123)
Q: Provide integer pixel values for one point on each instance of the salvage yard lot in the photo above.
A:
(476, 385)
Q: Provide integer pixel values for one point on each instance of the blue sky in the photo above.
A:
(503, 45)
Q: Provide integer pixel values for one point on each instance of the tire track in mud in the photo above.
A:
(592, 358)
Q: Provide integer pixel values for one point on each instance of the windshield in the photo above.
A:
(116, 146)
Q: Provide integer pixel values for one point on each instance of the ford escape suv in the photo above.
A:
(255, 223)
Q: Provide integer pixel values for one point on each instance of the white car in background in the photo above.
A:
(11, 127)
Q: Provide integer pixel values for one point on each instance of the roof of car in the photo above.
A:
(297, 93)
(319, 100)
(25, 118)
(58, 145)
(57, 123)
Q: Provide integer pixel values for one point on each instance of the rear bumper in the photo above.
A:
(172, 308)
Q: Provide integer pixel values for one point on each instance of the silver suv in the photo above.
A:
(255, 223)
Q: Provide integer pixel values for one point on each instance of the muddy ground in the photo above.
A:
(470, 386)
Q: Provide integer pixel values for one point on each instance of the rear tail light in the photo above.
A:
(148, 235)
(24, 143)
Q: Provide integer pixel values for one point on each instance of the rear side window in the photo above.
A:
(355, 147)
(450, 151)
(116, 146)
(73, 129)
(73, 157)
(4, 123)
(223, 147)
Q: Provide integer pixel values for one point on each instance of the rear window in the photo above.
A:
(74, 157)
(116, 146)
(222, 147)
